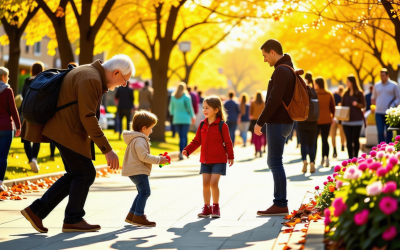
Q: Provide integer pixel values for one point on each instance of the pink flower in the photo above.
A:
(327, 221)
(344, 169)
(327, 212)
(374, 188)
(364, 155)
(380, 155)
(352, 173)
(363, 167)
(362, 217)
(390, 149)
(329, 177)
(369, 161)
(337, 168)
(381, 172)
(383, 143)
(389, 167)
(374, 148)
(396, 142)
(390, 233)
(397, 138)
(373, 153)
(339, 184)
(349, 161)
(397, 155)
(335, 174)
(382, 149)
(316, 187)
(325, 182)
(387, 155)
(344, 163)
(391, 144)
(339, 206)
(354, 160)
(393, 160)
(388, 205)
(389, 187)
(375, 165)
(378, 146)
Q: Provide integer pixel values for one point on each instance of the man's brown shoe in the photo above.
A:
(82, 226)
(129, 218)
(142, 221)
(35, 221)
(274, 210)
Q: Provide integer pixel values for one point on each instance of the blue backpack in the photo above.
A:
(40, 101)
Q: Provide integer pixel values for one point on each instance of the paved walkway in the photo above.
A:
(174, 203)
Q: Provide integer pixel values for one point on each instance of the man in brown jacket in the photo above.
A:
(75, 130)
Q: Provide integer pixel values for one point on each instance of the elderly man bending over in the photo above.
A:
(75, 130)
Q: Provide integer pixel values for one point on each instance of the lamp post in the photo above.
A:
(185, 47)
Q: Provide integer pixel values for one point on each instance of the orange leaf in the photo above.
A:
(304, 230)
(288, 217)
(286, 231)
(302, 241)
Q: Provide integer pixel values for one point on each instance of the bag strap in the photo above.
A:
(295, 75)
(66, 105)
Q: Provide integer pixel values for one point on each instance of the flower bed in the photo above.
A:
(361, 201)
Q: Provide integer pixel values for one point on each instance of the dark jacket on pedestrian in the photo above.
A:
(280, 88)
(27, 83)
(212, 144)
(8, 110)
(355, 111)
(232, 110)
(76, 127)
(125, 97)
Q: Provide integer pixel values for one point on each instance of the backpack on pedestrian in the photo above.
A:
(313, 115)
(299, 106)
(40, 101)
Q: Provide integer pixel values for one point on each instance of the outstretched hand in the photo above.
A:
(230, 162)
(185, 153)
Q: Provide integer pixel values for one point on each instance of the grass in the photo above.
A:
(18, 165)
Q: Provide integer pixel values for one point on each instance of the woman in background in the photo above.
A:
(256, 108)
(245, 117)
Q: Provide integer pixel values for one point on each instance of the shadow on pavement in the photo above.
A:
(302, 177)
(193, 236)
(60, 241)
(293, 161)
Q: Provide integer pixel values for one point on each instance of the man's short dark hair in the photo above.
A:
(384, 70)
(231, 94)
(189, 89)
(37, 68)
(195, 88)
(272, 44)
(146, 83)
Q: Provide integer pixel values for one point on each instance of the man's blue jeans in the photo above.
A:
(5, 143)
(232, 129)
(183, 130)
(143, 187)
(382, 127)
(276, 137)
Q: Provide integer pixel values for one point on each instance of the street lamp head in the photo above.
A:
(185, 46)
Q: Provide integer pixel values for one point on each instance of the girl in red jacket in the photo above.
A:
(216, 151)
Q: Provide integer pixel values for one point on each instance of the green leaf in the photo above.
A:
(379, 216)
(361, 190)
(362, 229)
(366, 244)
(375, 232)
(394, 245)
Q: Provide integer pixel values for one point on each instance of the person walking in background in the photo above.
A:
(368, 97)
(182, 112)
(8, 116)
(32, 149)
(245, 117)
(75, 130)
(125, 98)
(279, 124)
(256, 108)
(195, 100)
(354, 98)
(308, 129)
(385, 95)
(337, 124)
(200, 94)
(326, 114)
(145, 97)
(233, 110)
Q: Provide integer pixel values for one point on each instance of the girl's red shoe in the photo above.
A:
(215, 211)
(207, 211)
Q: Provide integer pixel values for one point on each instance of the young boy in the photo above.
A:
(137, 164)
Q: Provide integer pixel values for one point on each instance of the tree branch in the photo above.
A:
(28, 18)
(75, 9)
(50, 14)
(102, 17)
(151, 45)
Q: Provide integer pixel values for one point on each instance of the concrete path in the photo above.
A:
(175, 201)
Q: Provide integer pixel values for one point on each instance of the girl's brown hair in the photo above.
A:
(216, 103)
(355, 86)
(143, 118)
(243, 101)
(258, 98)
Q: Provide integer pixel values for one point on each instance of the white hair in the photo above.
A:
(4, 71)
(120, 62)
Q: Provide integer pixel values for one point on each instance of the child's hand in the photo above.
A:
(185, 153)
(230, 162)
(163, 159)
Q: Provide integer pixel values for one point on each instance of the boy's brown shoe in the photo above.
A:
(82, 226)
(129, 218)
(35, 221)
(274, 210)
(142, 221)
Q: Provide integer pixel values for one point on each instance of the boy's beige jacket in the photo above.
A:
(138, 159)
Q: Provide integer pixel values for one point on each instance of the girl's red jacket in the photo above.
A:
(210, 139)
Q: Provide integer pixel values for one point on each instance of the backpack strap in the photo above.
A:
(66, 105)
(221, 123)
(201, 125)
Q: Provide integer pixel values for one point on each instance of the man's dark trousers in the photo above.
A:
(75, 183)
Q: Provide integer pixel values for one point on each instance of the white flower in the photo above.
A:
(352, 173)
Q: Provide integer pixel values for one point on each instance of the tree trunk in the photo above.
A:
(64, 46)
(160, 100)
(86, 51)
(188, 70)
(13, 61)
